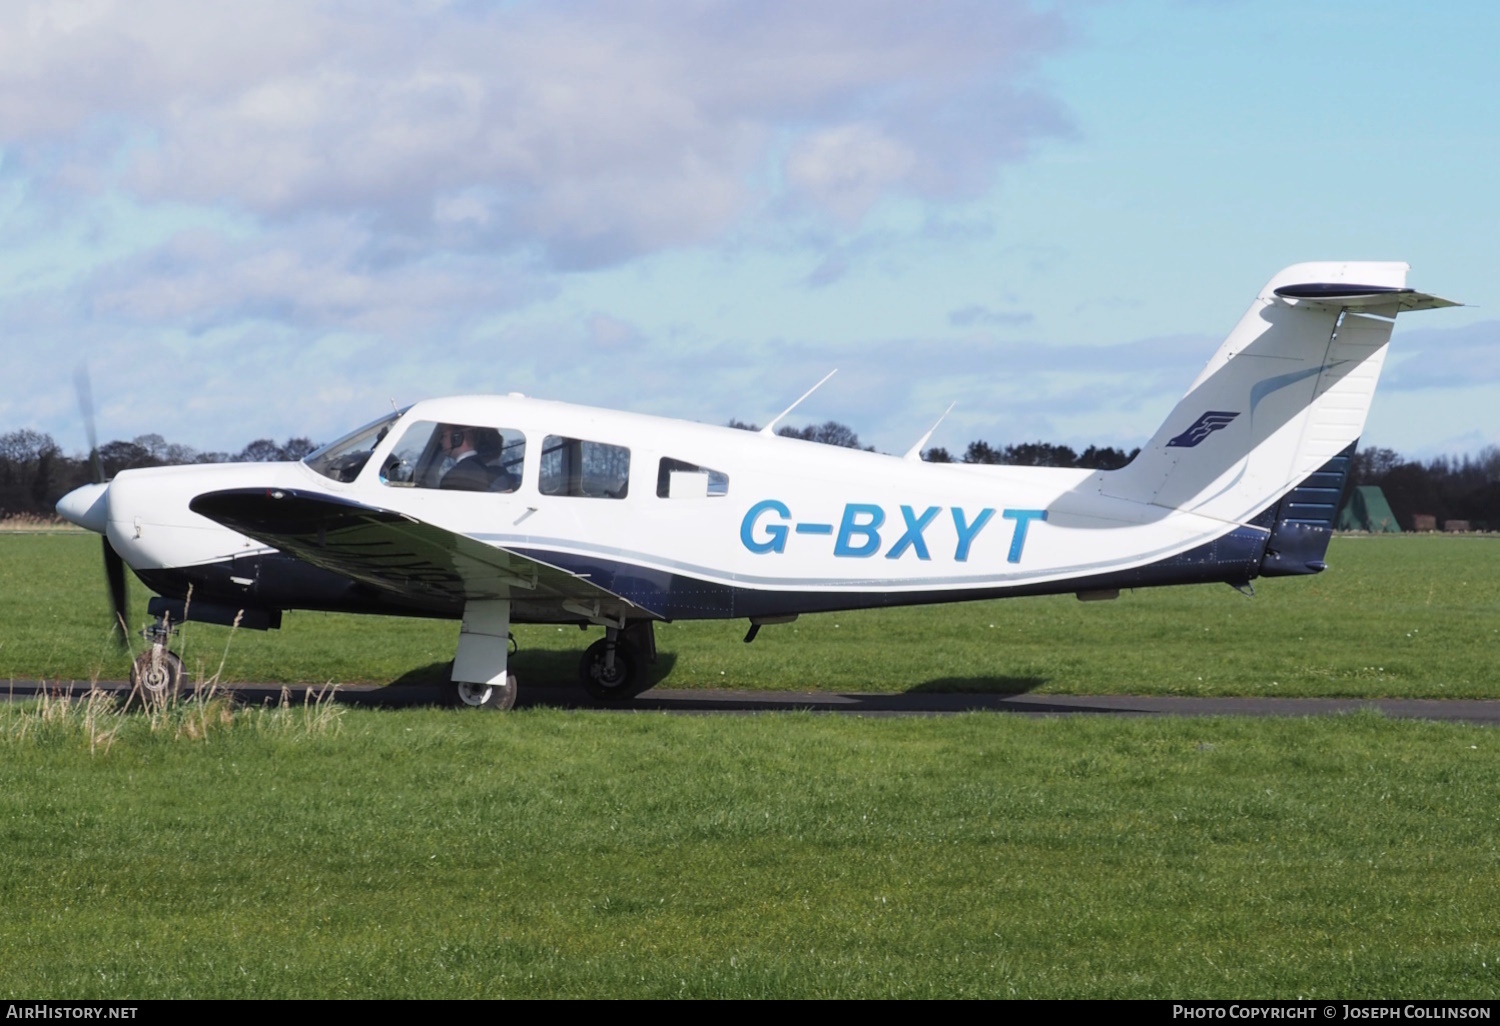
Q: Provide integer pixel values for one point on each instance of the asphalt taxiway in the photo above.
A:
(910, 703)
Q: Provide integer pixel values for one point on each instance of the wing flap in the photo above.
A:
(396, 552)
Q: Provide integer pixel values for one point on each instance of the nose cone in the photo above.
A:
(87, 507)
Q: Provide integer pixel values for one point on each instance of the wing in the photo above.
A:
(399, 554)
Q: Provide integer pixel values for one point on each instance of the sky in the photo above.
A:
(276, 219)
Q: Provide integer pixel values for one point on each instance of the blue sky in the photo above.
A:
(276, 220)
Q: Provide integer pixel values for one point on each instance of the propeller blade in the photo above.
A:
(114, 574)
(86, 410)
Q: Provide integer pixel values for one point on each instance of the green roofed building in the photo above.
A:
(1367, 510)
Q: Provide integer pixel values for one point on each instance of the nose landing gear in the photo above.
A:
(156, 674)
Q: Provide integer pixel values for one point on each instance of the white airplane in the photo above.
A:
(496, 510)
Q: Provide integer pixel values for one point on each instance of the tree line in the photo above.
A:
(1027, 454)
(35, 472)
(1448, 487)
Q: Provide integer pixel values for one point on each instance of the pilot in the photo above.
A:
(468, 471)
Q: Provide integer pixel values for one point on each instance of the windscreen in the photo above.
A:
(344, 459)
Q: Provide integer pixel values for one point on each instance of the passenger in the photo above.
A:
(491, 445)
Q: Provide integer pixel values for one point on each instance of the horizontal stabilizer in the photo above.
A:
(1351, 296)
(394, 552)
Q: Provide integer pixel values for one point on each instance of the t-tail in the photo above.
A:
(1266, 433)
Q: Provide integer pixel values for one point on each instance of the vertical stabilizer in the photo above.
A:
(1286, 394)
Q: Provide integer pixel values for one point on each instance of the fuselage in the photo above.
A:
(757, 524)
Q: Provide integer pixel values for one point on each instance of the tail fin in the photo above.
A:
(1286, 394)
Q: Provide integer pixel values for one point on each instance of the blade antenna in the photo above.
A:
(771, 427)
(915, 452)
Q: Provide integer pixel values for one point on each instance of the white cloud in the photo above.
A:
(603, 129)
(848, 168)
(377, 185)
(1445, 357)
(977, 314)
(320, 275)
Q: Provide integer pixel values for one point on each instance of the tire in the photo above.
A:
(155, 676)
(623, 684)
(463, 695)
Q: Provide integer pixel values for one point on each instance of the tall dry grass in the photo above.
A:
(203, 709)
(99, 719)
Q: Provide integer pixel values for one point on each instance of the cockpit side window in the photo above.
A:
(462, 457)
(573, 466)
(344, 459)
(678, 479)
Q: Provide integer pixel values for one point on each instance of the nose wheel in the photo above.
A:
(156, 674)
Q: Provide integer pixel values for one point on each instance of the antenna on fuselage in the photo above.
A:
(915, 452)
(771, 427)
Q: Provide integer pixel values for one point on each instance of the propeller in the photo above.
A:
(114, 566)
(114, 574)
(86, 408)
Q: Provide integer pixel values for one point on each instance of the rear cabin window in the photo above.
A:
(593, 470)
(678, 479)
(461, 457)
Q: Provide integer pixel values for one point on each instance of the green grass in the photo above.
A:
(1403, 616)
(207, 852)
(425, 853)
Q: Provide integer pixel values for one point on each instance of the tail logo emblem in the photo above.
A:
(1204, 426)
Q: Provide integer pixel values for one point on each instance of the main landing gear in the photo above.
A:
(479, 679)
(156, 674)
(613, 668)
(462, 693)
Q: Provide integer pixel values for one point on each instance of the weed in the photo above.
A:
(97, 718)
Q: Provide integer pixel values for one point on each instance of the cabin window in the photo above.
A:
(344, 459)
(572, 466)
(678, 479)
(456, 457)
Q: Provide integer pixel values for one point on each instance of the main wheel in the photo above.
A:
(156, 675)
(481, 696)
(619, 684)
